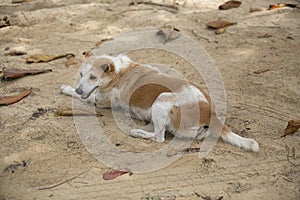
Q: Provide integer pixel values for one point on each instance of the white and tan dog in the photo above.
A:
(169, 103)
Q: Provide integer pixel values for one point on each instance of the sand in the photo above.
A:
(258, 59)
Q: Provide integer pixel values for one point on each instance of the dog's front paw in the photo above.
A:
(67, 90)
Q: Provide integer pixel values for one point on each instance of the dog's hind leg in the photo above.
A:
(159, 117)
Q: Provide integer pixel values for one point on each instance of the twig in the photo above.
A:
(261, 71)
(155, 4)
(200, 37)
(63, 182)
(131, 10)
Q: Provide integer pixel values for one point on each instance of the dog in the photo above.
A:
(171, 104)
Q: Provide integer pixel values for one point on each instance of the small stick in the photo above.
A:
(155, 4)
(63, 182)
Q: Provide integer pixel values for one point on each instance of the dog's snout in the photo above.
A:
(79, 91)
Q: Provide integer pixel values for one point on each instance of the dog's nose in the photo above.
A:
(79, 91)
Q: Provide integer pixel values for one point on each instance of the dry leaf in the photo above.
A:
(21, 1)
(15, 53)
(292, 127)
(18, 73)
(8, 100)
(45, 57)
(102, 40)
(219, 24)
(282, 5)
(169, 33)
(109, 175)
(230, 4)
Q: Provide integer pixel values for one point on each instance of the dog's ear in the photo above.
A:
(112, 67)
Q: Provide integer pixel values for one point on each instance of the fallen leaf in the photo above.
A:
(230, 4)
(8, 100)
(169, 33)
(282, 5)
(102, 40)
(109, 175)
(277, 5)
(292, 127)
(219, 24)
(45, 57)
(15, 53)
(18, 73)
(21, 1)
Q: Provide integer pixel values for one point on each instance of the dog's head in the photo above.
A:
(99, 72)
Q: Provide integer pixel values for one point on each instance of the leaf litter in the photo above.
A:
(112, 174)
(292, 127)
(8, 100)
(18, 73)
(229, 5)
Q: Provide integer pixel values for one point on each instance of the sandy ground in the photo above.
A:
(47, 151)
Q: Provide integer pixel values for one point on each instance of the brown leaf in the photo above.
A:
(219, 24)
(18, 73)
(8, 100)
(15, 53)
(277, 5)
(282, 5)
(169, 33)
(109, 175)
(292, 127)
(21, 1)
(230, 4)
(102, 40)
(45, 57)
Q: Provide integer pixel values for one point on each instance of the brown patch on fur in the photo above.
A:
(192, 117)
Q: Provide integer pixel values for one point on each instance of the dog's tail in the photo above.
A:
(228, 136)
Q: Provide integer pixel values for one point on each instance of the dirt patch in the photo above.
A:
(258, 59)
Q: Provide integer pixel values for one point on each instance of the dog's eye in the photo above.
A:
(92, 77)
(81, 75)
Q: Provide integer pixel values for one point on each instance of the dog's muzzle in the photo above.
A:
(89, 94)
